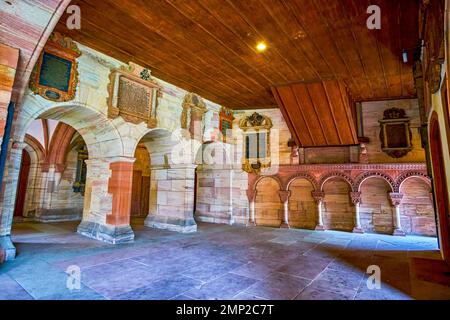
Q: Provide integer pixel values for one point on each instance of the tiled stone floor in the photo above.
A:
(218, 262)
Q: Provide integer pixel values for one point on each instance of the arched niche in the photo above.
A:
(417, 210)
(376, 211)
(268, 207)
(338, 210)
(302, 207)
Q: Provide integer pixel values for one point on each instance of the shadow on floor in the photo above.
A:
(222, 262)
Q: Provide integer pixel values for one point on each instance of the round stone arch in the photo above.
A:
(336, 175)
(101, 136)
(412, 174)
(370, 175)
(304, 176)
(34, 149)
(261, 178)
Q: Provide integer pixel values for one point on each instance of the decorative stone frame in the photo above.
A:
(256, 123)
(225, 117)
(153, 91)
(64, 48)
(395, 116)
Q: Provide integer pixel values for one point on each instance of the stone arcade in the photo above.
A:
(168, 155)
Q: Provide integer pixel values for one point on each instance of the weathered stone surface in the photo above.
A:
(106, 233)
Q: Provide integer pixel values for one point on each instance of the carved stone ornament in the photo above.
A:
(194, 103)
(318, 196)
(55, 76)
(395, 133)
(256, 132)
(396, 198)
(225, 122)
(133, 97)
(356, 197)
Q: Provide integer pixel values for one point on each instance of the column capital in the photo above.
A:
(18, 145)
(318, 196)
(356, 198)
(284, 195)
(396, 198)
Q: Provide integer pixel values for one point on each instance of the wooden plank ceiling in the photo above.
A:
(209, 46)
(318, 114)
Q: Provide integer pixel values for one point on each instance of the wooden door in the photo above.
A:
(23, 184)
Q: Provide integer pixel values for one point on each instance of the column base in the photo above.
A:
(399, 233)
(251, 224)
(106, 233)
(7, 248)
(285, 225)
(320, 228)
(171, 224)
(358, 230)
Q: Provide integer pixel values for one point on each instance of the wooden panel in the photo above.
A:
(318, 114)
(209, 46)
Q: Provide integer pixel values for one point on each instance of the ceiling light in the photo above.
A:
(261, 46)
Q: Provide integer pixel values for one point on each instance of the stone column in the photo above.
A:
(251, 220)
(107, 204)
(172, 203)
(318, 197)
(396, 200)
(356, 200)
(284, 197)
(9, 192)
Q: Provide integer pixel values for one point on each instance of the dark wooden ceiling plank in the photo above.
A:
(290, 118)
(334, 94)
(307, 43)
(332, 101)
(340, 50)
(265, 27)
(350, 120)
(239, 64)
(186, 83)
(354, 43)
(341, 28)
(318, 33)
(210, 44)
(237, 47)
(312, 119)
(323, 111)
(170, 48)
(192, 69)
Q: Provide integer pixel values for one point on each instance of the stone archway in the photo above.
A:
(440, 185)
(172, 180)
(103, 205)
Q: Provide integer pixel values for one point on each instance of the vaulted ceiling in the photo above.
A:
(209, 46)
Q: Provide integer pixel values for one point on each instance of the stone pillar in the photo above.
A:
(284, 198)
(318, 197)
(9, 193)
(356, 200)
(251, 220)
(396, 200)
(172, 203)
(107, 204)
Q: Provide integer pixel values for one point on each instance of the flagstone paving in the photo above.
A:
(217, 262)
